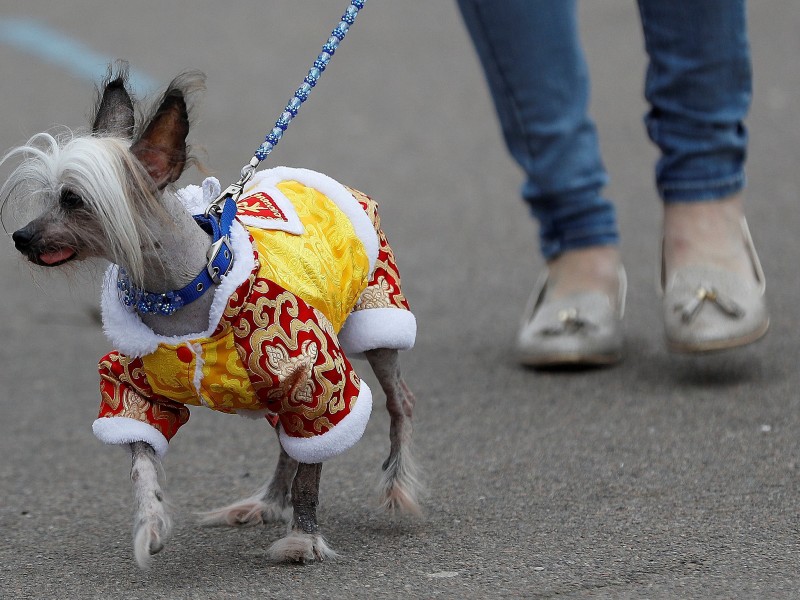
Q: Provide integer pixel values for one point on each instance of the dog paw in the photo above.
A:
(150, 534)
(301, 547)
(400, 486)
(245, 513)
(399, 499)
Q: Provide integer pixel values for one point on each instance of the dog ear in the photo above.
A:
(114, 113)
(162, 146)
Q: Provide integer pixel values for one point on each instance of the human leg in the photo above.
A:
(539, 82)
(699, 88)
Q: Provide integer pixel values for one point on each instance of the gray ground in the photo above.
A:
(665, 477)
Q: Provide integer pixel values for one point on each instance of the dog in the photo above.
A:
(246, 309)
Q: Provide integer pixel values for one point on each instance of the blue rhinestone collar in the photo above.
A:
(220, 260)
(146, 303)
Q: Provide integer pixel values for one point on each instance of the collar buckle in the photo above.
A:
(220, 259)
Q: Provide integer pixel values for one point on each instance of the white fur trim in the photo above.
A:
(393, 328)
(333, 442)
(124, 430)
(126, 331)
(193, 196)
(334, 190)
(199, 362)
(211, 190)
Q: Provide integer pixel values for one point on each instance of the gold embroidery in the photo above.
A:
(376, 296)
(134, 406)
(384, 291)
(111, 399)
(322, 425)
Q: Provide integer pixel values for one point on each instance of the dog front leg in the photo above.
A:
(152, 523)
(303, 542)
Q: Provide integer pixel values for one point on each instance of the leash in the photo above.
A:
(233, 191)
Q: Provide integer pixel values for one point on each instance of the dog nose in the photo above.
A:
(22, 238)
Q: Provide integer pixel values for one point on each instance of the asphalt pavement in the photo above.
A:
(664, 477)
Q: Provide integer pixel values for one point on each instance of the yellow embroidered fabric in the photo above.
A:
(327, 266)
(173, 373)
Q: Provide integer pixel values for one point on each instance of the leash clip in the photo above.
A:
(234, 190)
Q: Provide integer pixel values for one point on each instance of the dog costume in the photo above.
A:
(313, 279)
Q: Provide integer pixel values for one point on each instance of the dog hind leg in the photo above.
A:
(303, 543)
(400, 486)
(152, 523)
(265, 505)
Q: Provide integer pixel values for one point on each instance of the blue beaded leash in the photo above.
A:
(234, 190)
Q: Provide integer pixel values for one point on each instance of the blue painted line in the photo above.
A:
(34, 38)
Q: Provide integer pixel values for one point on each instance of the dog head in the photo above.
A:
(100, 192)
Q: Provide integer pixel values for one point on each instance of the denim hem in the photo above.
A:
(701, 191)
(551, 249)
(576, 190)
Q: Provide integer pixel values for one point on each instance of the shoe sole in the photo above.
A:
(718, 345)
(569, 360)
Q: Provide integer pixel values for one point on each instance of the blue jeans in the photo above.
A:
(698, 86)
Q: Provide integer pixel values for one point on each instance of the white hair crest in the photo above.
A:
(107, 177)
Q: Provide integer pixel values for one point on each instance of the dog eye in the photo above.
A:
(70, 199)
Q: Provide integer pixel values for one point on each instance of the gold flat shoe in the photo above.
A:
(708, 309)
(583, 329)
